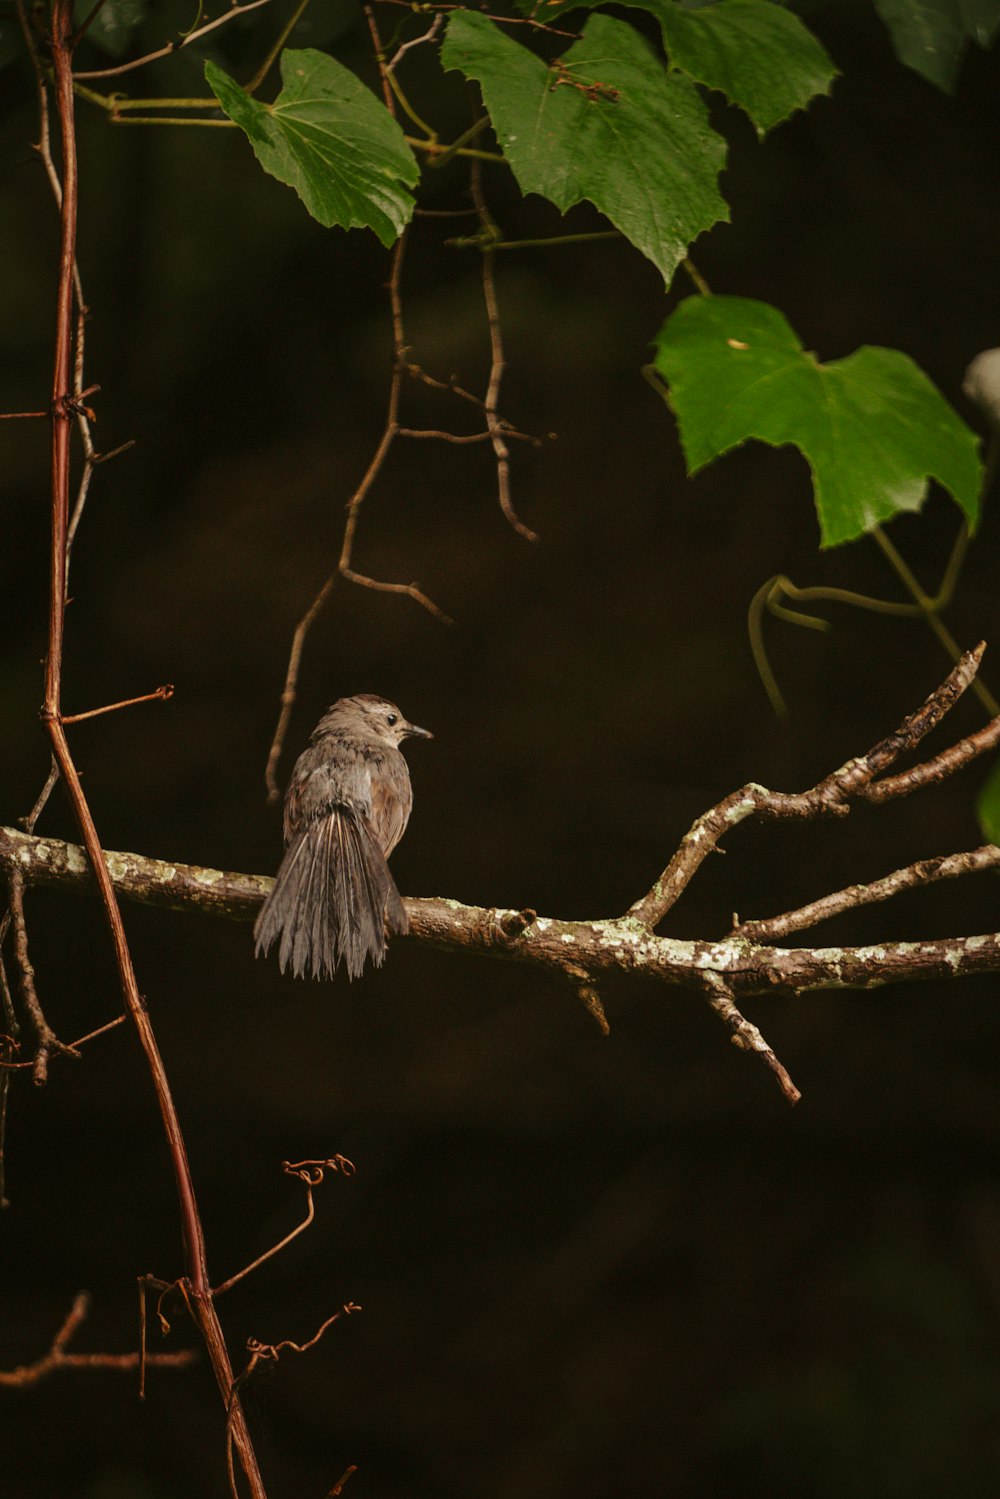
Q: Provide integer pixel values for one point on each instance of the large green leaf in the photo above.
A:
(872, 426)
(328, 136)
(607, 123)
(758, 54)
(930, 36)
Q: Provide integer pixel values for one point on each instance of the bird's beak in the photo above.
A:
(411, 730)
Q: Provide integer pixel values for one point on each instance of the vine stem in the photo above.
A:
(929, 608)
(62, 416)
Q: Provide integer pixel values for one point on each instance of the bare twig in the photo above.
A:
(48, 1041)
(743, 1034)
(73, 1047)
(830, 797)
(943, 765)
(161, 694)
(290, 689)
(455, 437)
(345, 568)
(924, 872)
(172, 47)
(497, 361)
(338, 1487)
(58, 1358)
(452, 385)
(28, 823)
(427, 36)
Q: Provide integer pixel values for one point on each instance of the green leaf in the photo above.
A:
(930, 36)
(329, 138)
(607, 123)
(872, 427)
(988, 806)
(756, 53)
(981, 20)
(111, 29)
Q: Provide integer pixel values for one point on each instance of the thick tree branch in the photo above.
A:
(723, 971)
(601, 947)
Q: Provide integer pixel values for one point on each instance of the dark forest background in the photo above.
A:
(589, 1267)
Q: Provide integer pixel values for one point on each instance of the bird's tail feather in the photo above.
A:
(332, 899)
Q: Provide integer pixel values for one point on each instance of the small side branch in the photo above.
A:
(172, 47)
(924, 872)
(345, 562)
(48, 1041)
(58, 1358)
(745, 1035)
(832, 795)
(497, 360)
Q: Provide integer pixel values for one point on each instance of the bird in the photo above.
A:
(346, 807)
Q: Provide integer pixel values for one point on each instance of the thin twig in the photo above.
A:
(830, 797)
(497, 363)
(161, 694)
(454, 437)
(945, 764)
(924, 872)
(338, 1487)
(58, 1358)
(48, 1041)
(9, 1047)
(73, 1047)
(345, 568)
(417, 41)
(88, 21)
(502, 20)
(389, 434)
(452, 386)
(383, 71)
(172, 47)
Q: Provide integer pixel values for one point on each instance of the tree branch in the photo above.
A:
(832, 795)
(722, 971)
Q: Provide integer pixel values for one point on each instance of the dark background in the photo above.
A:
(588, 1267)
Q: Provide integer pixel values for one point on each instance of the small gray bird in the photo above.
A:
(346, 808)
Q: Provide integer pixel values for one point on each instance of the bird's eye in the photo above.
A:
(391, 719)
